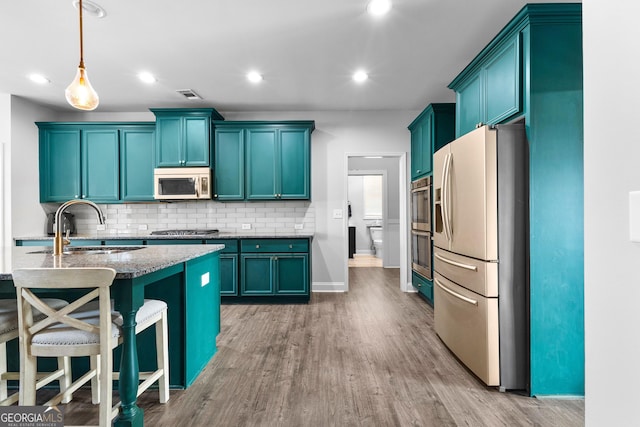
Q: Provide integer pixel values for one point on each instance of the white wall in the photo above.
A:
(5, 168)
(612, 169)
(26, 212)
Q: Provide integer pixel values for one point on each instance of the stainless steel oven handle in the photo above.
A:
(456, 263)
(455, 294)
(416, 190)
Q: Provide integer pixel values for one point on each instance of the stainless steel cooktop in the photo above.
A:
(194, 232)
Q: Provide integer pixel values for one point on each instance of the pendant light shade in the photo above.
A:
(80, 94)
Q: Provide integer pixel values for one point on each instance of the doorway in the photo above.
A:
(378, 181)
(367, 212)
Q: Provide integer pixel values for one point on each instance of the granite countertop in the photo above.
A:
(221, 235)
(128, 264)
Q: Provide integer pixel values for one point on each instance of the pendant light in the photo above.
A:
(79, 93)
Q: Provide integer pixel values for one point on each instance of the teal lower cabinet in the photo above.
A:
(276, 268)
(228, 266)
(424, 286)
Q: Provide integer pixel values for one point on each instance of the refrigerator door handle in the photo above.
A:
(455, 263)
(455, 294)
(446, 182)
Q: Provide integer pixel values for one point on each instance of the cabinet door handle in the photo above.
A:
(257, 246)
(215, 195)
(290, 246)
(418, 171)
(75, 196)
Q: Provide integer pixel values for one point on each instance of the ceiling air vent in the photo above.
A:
(189, 94)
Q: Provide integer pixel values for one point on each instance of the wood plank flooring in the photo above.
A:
(369, 357)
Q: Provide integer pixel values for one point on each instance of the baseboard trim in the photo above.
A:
(328, 287)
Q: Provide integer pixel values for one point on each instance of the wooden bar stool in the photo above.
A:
(78, 329)
(8, 332)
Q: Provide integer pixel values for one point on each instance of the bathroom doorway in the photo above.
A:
(375, 186)
(367, 212)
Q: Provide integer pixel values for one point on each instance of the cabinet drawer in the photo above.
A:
(274, 245)
(230, 246)
(424, 286)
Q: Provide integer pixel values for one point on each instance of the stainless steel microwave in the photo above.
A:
(182, 183)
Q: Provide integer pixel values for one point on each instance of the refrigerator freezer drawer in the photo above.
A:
(478, 276)
(468, 324)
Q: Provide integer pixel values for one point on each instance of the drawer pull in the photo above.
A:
(456, 264)
(455, 294)
(257, 246)
(290, 246)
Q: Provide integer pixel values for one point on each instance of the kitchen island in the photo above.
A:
(185, 276)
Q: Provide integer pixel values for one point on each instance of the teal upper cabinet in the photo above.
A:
(137, 163)
(533, 70)
(490, 92)
(100, 165)
(60, 166)
(229, 163)
(432, 129)
(78, 162)
(263, 160)
(183, 136)
(104, 162)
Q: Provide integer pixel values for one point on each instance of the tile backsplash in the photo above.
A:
(143, 218)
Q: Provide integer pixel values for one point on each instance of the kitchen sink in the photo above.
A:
(91, 250)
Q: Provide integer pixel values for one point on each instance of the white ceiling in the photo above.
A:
(306, 51)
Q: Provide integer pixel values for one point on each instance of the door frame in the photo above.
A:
(403, 186)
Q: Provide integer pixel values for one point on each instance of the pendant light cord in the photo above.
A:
(81, 56)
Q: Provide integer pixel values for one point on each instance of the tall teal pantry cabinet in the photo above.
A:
(532, 71)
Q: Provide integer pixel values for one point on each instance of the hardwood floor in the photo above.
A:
(360, 260)
(366, 358)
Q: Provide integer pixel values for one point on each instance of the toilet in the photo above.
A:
(376, 233)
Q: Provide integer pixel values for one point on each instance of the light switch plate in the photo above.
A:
(101, 227)
(634, 216)
(298, 226)
(246, 226)
(337, 213)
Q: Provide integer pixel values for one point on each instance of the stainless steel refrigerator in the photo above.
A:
(480, 236)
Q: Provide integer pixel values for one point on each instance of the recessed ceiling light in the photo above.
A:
(38, 78)
(147, 77)
(91, 8)
(254, 77)
(360, 76)
(378, 7)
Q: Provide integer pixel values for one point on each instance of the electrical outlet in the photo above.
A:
(298, 226)
(246, 226)
(142, 226)
(101, 227)
(337, 213)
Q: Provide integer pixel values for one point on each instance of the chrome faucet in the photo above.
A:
(58, 240)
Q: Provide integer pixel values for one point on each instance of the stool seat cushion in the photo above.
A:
(60, 334)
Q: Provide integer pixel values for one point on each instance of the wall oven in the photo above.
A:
(421, 204)
(421, 253)
(421, 227)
